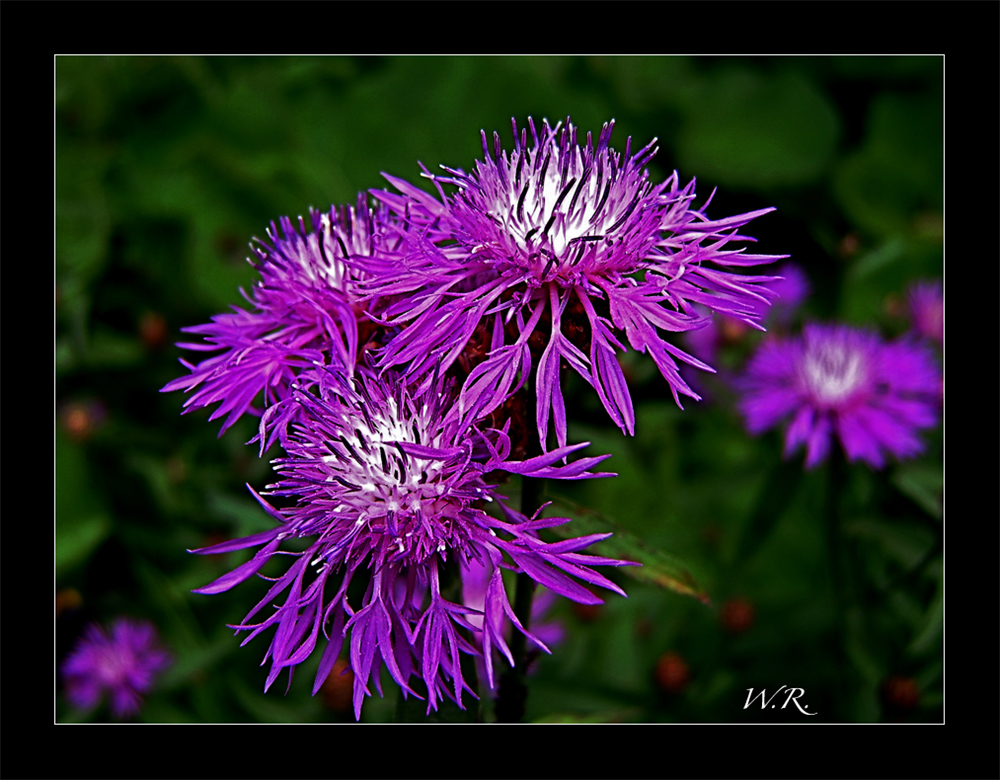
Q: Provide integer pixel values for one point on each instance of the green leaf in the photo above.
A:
(657, 567)
(608, 716)
(77, 537)
(82, 519)
(924, 485)
(774, 499)
(748, 129)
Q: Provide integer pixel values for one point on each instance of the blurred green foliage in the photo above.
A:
(166, 167)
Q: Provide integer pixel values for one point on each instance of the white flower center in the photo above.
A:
(833, 372)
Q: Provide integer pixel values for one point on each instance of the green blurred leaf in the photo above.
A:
(931, 630)
(77, 537)
(657, 567)
(82, 520)
(905, 543)
(899, 171)
(778, 491)
(272, 707)
(108, 350)
(606, 716)
(747, 129)
(924, 485)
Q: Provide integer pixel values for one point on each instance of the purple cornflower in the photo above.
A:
(790, 291)
(557, 252)
(304, 314)
(835, 380)
(391, 494)
(123, 665)
(926, 305)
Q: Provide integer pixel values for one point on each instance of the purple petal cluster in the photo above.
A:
(122, 665)
(561, 253)
(399, 354)
(388, 491)
(846, 384)
(926, 306)
(304, 314)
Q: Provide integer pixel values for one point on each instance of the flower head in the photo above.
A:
(926, 304)
(122, 665)
(304, 314)
(558, 252)
(790, 291)
(843, 382)
(391, 496)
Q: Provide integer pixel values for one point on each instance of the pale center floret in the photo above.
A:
(403, 496)
(546, 215)
(833, 372)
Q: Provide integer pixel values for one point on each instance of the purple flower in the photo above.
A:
(835, 380)
(122, 665)
(557, 253)
(926, 304)
(304, 314)
(391, 494)
(791, 290)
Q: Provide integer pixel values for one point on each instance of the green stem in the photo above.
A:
(837, 479)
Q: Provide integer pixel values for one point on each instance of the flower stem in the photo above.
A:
(837, 478)
(513, 692)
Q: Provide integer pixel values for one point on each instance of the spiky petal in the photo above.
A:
(389, 490)
(570, 240)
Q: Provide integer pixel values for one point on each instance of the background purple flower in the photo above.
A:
(926, 308)
(121, 665)
(390, 493)
(845, 383)
(569, 240)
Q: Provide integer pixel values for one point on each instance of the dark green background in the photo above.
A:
(166, 167)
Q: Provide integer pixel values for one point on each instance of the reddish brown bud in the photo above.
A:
(737, 615)
(672, 673)
(900, 695)
(338, 690)
(153, 330)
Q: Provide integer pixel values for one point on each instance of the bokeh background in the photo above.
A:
(165, 169)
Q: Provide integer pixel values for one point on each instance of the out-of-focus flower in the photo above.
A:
(122, 665)
(81, 419)
(672, 672)
(153, 330)
(791, 290)
(737, 615)
(304, 315)
(558, 253)
(391, 491)
(926, 308)
(900, 695)
(845, 383)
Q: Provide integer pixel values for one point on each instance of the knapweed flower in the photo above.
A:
(304, 315)
(391, 497)
(122, 665)
(926, 306)
(557, 252)
(843, 382)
